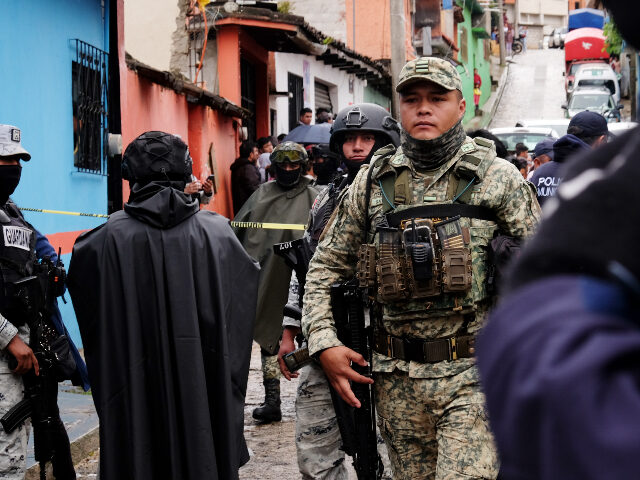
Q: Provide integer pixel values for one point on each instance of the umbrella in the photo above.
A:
(307, 134)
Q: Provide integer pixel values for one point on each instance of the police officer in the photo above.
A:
(424, 215)
(358, 132)
(287, 200)
(17, 252)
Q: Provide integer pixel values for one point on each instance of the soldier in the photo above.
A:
(287, 200)
(358, 131)
(425, 215)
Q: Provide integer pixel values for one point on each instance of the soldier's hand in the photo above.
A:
(287, 345)
(336, 363)
(24, 355)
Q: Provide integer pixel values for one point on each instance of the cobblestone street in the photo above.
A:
(534, 90)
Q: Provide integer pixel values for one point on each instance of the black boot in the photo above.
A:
(269, 411)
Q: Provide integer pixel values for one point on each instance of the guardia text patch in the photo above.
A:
(17, 237)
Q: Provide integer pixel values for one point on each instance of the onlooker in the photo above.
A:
(477, 93)
(306, 115)
(265, 147)
(323, 116)
(281, 138)
(523, 37)
(203, 190)
(522, 151)
(245, 175)
(509, 40)
(522, 166)
(587, 130)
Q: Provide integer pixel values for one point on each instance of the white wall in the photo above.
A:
(328, 16)
(337, 79)
(148, 29)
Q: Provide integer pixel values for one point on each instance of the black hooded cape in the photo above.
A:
(165, 299)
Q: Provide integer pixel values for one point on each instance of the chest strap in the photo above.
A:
(444, 210)
(425, 351)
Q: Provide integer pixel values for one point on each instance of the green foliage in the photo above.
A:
(614, 39)
(284, 7)
(327, 41)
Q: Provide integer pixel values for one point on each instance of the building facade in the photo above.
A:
(58, 88)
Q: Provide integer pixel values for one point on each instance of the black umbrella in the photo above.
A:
(306, 134)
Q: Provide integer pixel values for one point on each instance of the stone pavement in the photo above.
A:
(534, 88)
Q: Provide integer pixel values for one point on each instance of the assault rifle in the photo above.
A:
(357, 425)
(51, 442)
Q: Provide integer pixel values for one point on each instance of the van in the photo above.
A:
(597, 75)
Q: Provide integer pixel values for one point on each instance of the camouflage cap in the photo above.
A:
(431, 69)
(289, 152)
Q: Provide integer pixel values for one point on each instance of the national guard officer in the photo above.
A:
(418, 223)
(359, 130)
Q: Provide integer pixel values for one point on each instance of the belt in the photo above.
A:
(425, 351)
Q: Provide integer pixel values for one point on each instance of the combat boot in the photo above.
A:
(269, 411)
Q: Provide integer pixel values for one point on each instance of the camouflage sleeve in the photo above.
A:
(519, 211)
(334, 261)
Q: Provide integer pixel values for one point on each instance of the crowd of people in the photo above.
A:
(415, 214)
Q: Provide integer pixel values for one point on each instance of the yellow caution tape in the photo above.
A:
(272, 226)
(60, 212)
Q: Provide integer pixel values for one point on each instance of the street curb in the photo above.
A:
(81, 447)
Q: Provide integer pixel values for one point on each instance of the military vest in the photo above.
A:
(428, 256)
(17, 260)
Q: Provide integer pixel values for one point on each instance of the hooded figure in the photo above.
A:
(165, 299)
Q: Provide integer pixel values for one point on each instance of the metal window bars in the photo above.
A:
(90, 86)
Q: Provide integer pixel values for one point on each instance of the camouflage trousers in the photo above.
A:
(13, 446)
(318, 439)
(270, 367)
(435, 428)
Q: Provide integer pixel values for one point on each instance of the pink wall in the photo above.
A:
(148, 106)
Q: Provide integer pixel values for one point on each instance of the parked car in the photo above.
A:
(595, 100)
(558, 125)
(556, 39)
(570, 74)
(620, 128)
(598, 75)
(511, 136)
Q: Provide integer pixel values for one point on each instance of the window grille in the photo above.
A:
(90, 75)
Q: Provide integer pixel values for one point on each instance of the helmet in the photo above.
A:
(367, 117)
(291, 152)
(156, 156)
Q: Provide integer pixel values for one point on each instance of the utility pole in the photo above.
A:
(398, 59)
(501, 31)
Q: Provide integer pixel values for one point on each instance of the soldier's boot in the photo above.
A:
(269, 411)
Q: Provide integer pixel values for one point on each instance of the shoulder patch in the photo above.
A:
(17, 237)
(468, 147)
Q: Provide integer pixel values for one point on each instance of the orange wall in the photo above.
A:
(373, 28)
(147, 106)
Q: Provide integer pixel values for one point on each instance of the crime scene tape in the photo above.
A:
(258, 225)
(271, 226)
(60, 212)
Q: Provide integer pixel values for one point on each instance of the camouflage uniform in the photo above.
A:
(431, 415)
(13, 446)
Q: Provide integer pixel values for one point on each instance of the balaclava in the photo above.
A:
(9, 179)
(430, 154)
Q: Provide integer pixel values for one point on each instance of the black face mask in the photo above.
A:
(325, 171)
(9, 179)
(287, 178)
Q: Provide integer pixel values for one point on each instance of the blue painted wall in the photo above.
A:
(36, 53)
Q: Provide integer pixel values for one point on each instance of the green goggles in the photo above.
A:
(288, 156)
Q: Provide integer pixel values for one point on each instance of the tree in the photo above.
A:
(614, 39)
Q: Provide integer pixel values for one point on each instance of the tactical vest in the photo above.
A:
(17, 259)
(429, 258)
(321, 212)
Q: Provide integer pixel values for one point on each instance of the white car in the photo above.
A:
(597, 100)
(558, 125)
(511, 136)
(596, 75)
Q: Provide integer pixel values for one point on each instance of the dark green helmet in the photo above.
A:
(291, 152)
(364, 117)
